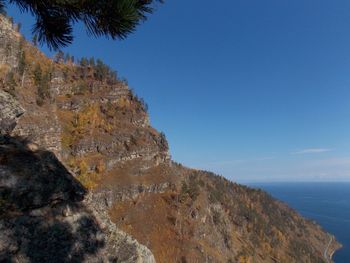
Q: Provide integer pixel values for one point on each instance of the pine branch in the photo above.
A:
(112, 18)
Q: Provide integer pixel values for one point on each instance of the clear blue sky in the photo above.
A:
(253, 90)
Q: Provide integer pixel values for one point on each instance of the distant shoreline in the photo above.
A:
(335, 250)
(254, 184)
(325, 253)
(294, 194)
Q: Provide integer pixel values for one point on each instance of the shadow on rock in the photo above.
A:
(42, 218)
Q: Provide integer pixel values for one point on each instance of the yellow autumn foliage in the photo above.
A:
(89, 178)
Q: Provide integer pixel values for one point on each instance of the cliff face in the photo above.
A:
(45, 216)
(100, 132)
(10, 111)
(9, 43)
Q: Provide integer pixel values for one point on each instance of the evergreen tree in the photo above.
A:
(19, 26)
(22, 63)
(54, 18)
(42, 82)
(84, 62)
(2, 8)
(67, 59)
(22, 43)
(37, 73)
(83, 70)
(113, 76)
(92, 62)
(100, 70)
(59, 57)
(35, 40)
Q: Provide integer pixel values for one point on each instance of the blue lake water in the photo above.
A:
(326, 203)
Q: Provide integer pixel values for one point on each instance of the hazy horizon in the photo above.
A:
(257, 91)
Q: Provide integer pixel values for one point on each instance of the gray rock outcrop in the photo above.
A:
(10, 111)
(9, 42)
(43, 217)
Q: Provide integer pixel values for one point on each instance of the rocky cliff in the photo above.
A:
(45, 215)
(82, 169)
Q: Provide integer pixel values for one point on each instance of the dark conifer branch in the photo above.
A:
(111, 18)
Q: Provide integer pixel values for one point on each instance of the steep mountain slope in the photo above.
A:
(101, 132)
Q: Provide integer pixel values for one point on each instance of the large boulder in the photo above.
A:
(44, 218)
